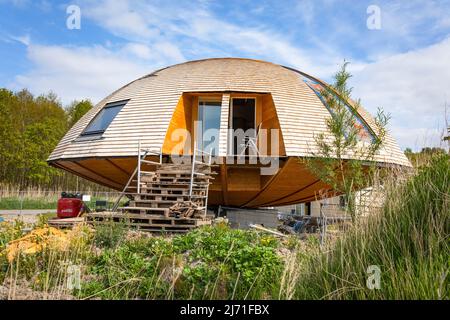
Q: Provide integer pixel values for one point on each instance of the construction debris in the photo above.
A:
(185, 209)
(40, 239)
(65, 222)
(261, 228)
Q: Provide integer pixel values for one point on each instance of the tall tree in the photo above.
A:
(77, 109)
(30, 128)
(345, 155)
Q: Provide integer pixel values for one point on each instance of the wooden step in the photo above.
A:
(166, 188)
(164, 183)
(162, 196)
(145, 210)
(161, 205)
(151, 223)
(197, 175)
(154, 201)
(179, 196)
(65, 222)
(108, 214)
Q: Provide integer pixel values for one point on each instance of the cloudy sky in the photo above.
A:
(400, 62)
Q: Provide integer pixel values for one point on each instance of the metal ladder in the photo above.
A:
(141, 155)
(196, 153)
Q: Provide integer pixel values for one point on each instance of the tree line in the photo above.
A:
(30, 128)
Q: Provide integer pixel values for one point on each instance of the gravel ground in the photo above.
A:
(22, 291)
(27, 216)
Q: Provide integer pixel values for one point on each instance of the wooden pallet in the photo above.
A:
(66, 222)
(145, 210)
(148, 222)
(168, 186)
(164, 202)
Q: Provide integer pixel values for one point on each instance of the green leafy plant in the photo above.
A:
(342, 159)
(109, 234)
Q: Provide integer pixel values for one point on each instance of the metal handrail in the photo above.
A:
(142, 160)
(138, 171)
(194, 161)
(192, 170)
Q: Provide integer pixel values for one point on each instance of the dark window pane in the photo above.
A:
(103, 119)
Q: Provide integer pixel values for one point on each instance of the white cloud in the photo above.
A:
(139, 50)
(407, 19)
(84, 72)
(413, 87)
(25, 40)
(119, 18)
(192, 27)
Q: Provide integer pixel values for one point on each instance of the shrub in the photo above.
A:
(109, 234)
(210, 262)
(408, 240)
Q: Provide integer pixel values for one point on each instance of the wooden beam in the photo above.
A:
(56, 164)
(290, 194)
(268, 183)
(119, 167)
(224, 181)
(305, 199)
(97, 174)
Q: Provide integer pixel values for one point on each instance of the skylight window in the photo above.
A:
(104, 118)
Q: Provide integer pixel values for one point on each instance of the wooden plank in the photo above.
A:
(224, 182)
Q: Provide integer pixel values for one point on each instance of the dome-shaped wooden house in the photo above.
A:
(223, 94)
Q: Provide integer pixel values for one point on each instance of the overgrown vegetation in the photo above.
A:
(408, 240)
(208, 263)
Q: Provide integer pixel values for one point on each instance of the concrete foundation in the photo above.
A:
(242, 218)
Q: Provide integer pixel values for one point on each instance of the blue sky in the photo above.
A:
(403, 67)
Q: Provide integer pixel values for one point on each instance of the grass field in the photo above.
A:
(36, 199)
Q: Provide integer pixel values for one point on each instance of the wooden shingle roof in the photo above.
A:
(153, 98)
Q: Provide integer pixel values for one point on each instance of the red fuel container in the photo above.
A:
(69, 207)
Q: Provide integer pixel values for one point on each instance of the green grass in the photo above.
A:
(42, 202)
(408, 241)
(13, 203)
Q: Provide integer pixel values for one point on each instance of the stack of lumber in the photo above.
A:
(164, 202)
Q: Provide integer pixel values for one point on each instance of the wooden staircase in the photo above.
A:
(172, 198)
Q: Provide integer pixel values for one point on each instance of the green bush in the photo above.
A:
(109, 234)
(210, 262)
(126, 272)
(221, 261)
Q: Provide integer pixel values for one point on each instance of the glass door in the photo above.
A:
(209, 126)
(243, 118)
